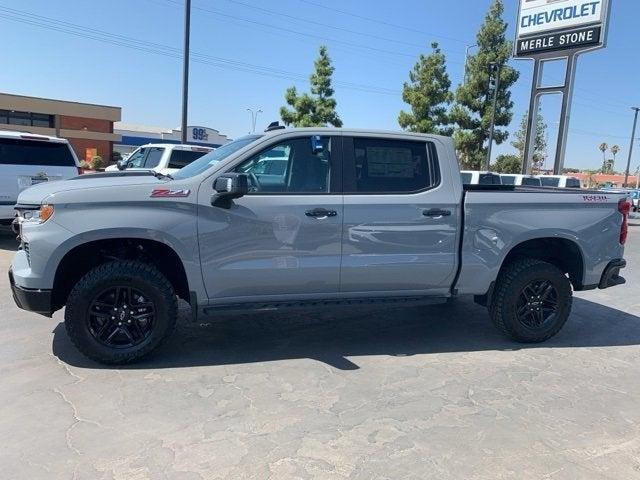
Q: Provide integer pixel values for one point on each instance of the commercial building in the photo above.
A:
(132, 136)
(88, 127)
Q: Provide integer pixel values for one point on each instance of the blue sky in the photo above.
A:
(246, 56)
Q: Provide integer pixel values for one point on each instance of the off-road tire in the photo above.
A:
(510, 285)
(138, 275)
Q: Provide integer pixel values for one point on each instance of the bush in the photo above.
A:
(85, 165)
(97, 163)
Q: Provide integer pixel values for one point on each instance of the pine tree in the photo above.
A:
(317, 109)
(427, 92)
(473, 105)
(539, 144)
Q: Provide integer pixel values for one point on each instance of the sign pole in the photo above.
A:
(633, 139)
(497, 69)
(565, 115)
(185, 68)
(532, 124)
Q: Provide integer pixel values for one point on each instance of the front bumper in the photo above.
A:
(32, 300)
(611, 275)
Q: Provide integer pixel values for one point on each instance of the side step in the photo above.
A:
(327, 303)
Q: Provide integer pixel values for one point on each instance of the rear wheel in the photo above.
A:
(120, 311)
(532, 301)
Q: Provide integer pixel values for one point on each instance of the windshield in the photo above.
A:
(210, 159)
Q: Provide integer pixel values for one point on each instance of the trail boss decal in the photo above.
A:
(166, 193)
(595, 198)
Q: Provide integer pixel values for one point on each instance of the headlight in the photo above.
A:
(41, 215)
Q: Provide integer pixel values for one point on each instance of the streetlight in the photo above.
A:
(185, 68)
(254, 118)
(466, 60)
(633, 138)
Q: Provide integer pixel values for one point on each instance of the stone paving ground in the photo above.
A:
(411, 393)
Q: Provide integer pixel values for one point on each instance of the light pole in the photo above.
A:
(633, 139)
(185, 68)
(466, 59)
(497, 68)
(254, 118)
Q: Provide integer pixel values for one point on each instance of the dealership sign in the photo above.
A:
(560, 26)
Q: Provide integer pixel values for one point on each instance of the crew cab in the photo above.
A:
(165, 158)
(355, 216)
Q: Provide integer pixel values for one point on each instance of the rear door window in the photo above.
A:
(573, 183)
(391, 166)
(489, 179)
(466, 178)
(508, 180)
(182, 158)
(532, 182)
(35, 152)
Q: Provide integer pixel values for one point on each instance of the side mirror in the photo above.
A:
(316, 145)
(229, 186)
(121, 164)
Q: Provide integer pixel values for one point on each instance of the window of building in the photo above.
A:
(394, 166)
(26, 119)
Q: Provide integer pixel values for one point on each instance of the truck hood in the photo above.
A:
(38, 193)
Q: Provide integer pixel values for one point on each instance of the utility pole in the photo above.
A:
(185, 68)
(633, 139)
(495, 68)
(254, 118)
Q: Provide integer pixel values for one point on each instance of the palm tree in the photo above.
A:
(615, 149)
(603, 148)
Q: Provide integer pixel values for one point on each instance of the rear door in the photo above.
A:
(25, 162)
(400, 219)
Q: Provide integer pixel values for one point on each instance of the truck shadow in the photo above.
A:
(7, 239)
(338, 339)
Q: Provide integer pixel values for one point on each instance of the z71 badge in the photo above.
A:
(164, 193)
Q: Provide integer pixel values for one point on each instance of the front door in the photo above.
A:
(400, 220)
(282, 240)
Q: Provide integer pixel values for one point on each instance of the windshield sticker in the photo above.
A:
(164, 193)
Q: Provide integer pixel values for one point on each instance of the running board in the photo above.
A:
(304, 304)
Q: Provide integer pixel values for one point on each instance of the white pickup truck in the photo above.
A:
(307, 218)
(165, 158)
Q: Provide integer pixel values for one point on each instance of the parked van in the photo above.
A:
(27, 159)
(474, 177)
(526, 180)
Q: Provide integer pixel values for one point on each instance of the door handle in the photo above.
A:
(436, 212)
(320, 213)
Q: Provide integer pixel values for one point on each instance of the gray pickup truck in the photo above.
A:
(348, 217)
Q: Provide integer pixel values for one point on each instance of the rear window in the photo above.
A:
(489, 179)
(33, 152)
(182, 158)
(532, 182)
(508, 179)
(550, 181)
(573, 183)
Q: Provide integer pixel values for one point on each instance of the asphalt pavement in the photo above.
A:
(400, 393)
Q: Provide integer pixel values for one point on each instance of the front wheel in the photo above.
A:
(120, 311)
(532, 301)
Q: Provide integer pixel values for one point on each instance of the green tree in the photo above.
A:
(615, 150)
(317, 109)
(539, 145)
(603, 147)
(507, 164)
(428, 94)
(473, 99)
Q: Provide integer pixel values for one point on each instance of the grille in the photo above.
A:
(25, 247)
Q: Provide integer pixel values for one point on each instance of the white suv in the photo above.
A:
(166, 158)
(27, 159)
